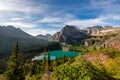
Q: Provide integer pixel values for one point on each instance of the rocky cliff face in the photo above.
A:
(91, 36)
(94, 30)
(70, 35)
(111, 39)
(113, 42)
(92, 41)
(98, 30)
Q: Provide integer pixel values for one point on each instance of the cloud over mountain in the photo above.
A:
(54, 14)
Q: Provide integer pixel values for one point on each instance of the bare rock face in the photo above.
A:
(98, 30)
(91, 41)
(88, 36)
(113, 42)
(107, 27)
(70, 35)
(94, 30)
(112, 39)
(57, 36)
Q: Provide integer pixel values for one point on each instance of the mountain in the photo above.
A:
(70, 35)
(94, 30)
(41, 36)
(99, 34)
(88, 36)
(9, 35)
(113, 39)
(97, 30)
(47, 36)
(109, 37)
(13, 32)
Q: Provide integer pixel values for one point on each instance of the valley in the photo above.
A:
(98, 53)
(59, 40)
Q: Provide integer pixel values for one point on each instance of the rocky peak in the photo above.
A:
(98, 30)
(70, 35)
(112, 42)
(69, 27)
(70, 30)
(94, 30)
(48, 35)
(108, 27)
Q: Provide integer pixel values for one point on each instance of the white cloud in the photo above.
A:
(14, 12)
(106, 6)
(17, 19)
(59, 25)
(57, 17)
(88, 22)
(20, 24)
(116, 17)
(111, 17)
(24, 6)
(71, 20)
(101, 4)
(50, 20)
(35, 31)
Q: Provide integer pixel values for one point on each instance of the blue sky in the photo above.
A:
(49, 16)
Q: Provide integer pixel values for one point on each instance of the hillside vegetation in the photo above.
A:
(94, 64)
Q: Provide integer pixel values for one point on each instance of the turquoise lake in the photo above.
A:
(58, 54)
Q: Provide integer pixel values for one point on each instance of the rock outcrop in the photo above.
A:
(94, 30)
(98, 30)
(91, 41)
(70, 35)
(113, 42)
(99, 36)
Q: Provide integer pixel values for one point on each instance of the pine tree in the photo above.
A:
(64, 59)
(47, 69)
(48, 61)
(56, 65)
(43, 63)
(15, 68)
(48, 66)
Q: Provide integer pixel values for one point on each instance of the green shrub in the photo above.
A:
(80, 70)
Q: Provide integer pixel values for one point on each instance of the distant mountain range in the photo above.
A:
(47, 36)
(68, 35)
(97, 30)
(13, 32)
(88, 36)
(9, 35)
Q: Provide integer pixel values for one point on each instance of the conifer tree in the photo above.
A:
(44, 62)
(15, 65)
(48, 61)
(47, 70)
(56, 65)
(64, 59)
